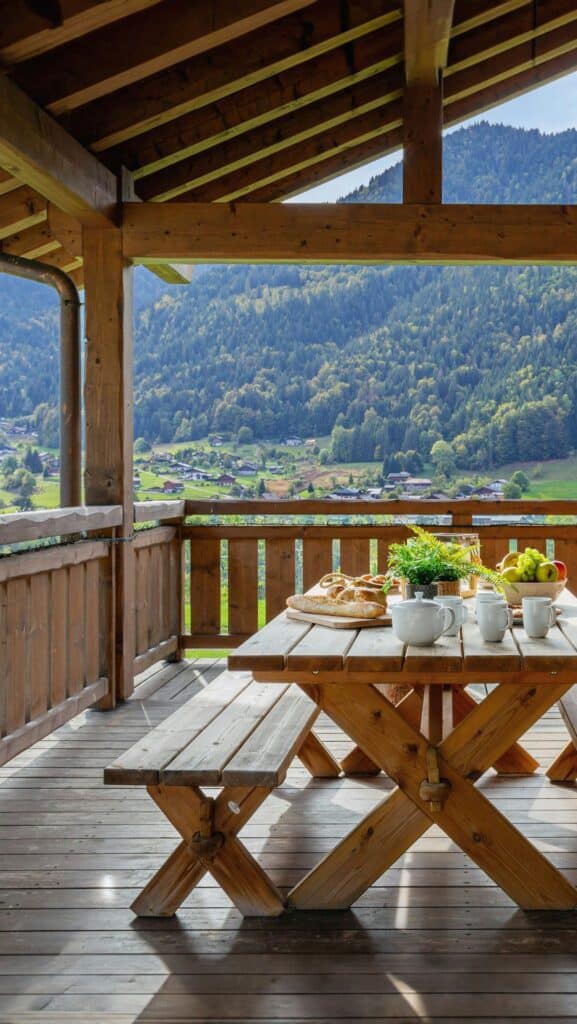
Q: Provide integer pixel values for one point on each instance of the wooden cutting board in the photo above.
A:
(338, 621)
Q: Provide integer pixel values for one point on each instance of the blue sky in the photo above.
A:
(552, 108)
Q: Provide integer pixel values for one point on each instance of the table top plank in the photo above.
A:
(445, 655)
(268, 648)
(552, 653)
(375, 650)
(497, 657)
(322, 648)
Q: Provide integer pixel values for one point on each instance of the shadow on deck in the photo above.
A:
(433, 940)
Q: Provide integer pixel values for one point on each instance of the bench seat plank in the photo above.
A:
(142, 763)
(264, 758)
(202, 761)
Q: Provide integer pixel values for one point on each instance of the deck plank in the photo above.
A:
(433, 939)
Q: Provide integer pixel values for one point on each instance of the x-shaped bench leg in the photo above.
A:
(209, 843)
(514, 761)
(466, 816)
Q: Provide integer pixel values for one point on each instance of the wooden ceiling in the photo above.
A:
(251, 100)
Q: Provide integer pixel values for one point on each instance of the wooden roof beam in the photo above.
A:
(208, 78)
(465, 94)
(28, 29)
(211, 169)
(32, 243)
(293, 90)
(101, 62)
(365, 233)
(20, 210)
(35, 149)
(263, 104)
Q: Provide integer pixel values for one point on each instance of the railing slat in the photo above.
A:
(279, 575)
(355, 556)
(141, 602)
(317, 559)
(76, 628)
(92, 629)
(566, 551)
(37, 676)
(17, 629)
(243, 586)
(205, 586)
(58, 638)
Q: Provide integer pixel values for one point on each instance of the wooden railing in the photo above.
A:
(239, 576)
(56, 608)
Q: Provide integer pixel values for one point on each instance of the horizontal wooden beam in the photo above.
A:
(32, 243)
(396, 507)
(20, 210)
(36, 150)
(29, 29)
(210, 77)
(257, 233)
(101, 62)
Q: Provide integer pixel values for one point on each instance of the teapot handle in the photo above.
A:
(448, 613)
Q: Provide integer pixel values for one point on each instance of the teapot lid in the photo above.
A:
(420, 599)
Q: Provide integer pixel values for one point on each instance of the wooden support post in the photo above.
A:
(108, 395)
(423, 143)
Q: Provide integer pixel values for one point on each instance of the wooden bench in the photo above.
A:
(564, 767)
(238, 735)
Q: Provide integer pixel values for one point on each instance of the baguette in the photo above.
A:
(325, 606)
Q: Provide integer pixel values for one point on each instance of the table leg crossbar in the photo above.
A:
(392, 739)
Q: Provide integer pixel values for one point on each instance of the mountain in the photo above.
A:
(386, 359)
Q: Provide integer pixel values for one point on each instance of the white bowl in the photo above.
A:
(515, 592)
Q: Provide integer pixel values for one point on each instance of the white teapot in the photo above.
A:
(419, 622)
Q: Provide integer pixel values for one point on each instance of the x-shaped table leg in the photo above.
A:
(513, 761)
(208, 829)
(467, 817)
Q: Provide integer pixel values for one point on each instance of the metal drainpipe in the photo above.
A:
(70, 401)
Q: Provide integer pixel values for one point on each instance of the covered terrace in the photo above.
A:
(164, 133)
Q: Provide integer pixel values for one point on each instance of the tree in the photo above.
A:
(245, 435)
(443, 458)
(9, 464)
(142, 445)
(261, 487)
(512, 491)
(521, 479)
(324, 456)
(32, 461)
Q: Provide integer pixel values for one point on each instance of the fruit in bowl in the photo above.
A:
(530, 573)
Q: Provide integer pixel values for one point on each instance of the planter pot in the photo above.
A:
(445, 587)
(408, 590)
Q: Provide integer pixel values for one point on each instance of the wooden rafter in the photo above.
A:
(26, 31)
(208, 78)
(20, 210)
(334, 115)
(32, 243)
(475, 89)
(101, 62)
(293, 90)
(343, 234)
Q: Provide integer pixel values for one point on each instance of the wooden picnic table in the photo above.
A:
(434, 744)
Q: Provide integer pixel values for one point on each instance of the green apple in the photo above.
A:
(547, 573)
(511, 574)
(510, 559)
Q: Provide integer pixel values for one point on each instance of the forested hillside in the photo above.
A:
(387, 359)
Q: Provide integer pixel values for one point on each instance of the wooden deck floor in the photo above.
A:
(434, 940)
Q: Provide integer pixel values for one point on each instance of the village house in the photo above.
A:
(225, 479)
(172, 486)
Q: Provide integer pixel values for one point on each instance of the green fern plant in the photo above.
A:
(425, 559)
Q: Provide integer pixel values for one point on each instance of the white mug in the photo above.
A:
(456, 605)
(538, 616)
(486, 597)
(494, 618)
